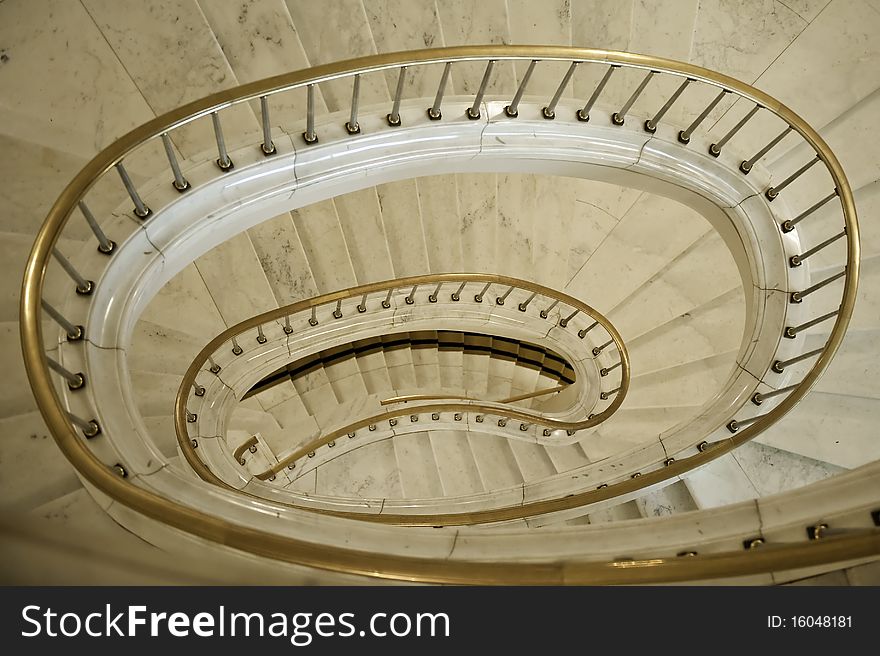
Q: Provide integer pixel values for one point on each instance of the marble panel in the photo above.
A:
(17, 397)
(719, 483)
(598, 24)
(441, 221)
(324, 245)
(334, 30)
(281, 255)
(235, 280)
(773, 470)
(833, 429)
(544, 23)
(185, 63)
(361, 220)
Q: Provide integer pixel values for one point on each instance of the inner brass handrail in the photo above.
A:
(189, 386)
(110, 479)
(406, 398)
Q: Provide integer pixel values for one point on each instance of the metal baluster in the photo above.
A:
(180, 183)
(788, 226)
(214, 368)
(797, 297)
(287, 328)
(198, 390)
(337, 313)
(223, 161)
(105, 245)
(89, 428)
(313, 320)
(190, 416)
(362, 306)
(140, 210)
(75, 381)
(715, 148)
(74, 333)
(684, 136)
(618, 117)
(549, 111)
(432, 298)
(583, 331)
(564, 322)
(747, 165)
(525, 304)
(604, 371)
(544, 313)
(797, 260)
(387, 302)
(780, 365)
(411, 298)
(434, 112)
(584, 114)
(605, 395)
(500, 299)
(83, 287)
(735, 424)
(310, 136)
(773, 192)
(791, 331)
(479, 297)
(598, 349)
(268, 146)
(473, 112)
(261, 336)
(512, 110)
(236, 349)
(352, 126)
(651, 123)
(456, 295)
(394, 117)
(759, 397)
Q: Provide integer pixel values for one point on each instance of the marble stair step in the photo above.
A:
(500, 377)
(404, 235)
(33, 471)
(855, 370)
(715, 327)
(691, 383)
(236, 281)
(187, 289)
(478, 204)
(532, 460)
(160, 349)
(831, 428)
(772, 470)
(653, 232)
(360, 218)
(323, 243)
(631, 427)
(495, 460)
(252, 421)
(419, 476)
(426, 363)
(368, 472)
(316, 392)
(283, 260)
(17, 397)
(451, 368)
(568, 457)
(346, 379)
(441, 222)
(721, 482)
(620, 512)
(155, 393)
(695, 277)
(162, 433)
(375, 373)
(401, 369)
(455, 463)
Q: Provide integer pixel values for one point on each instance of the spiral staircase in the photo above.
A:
(489, 314)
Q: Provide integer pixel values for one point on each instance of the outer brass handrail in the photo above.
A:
(187, 384)
(179, 516)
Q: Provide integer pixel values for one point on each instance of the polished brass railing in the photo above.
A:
(109, 478)
(378, 296)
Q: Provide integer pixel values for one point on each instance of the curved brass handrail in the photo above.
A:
(406, 398)
(179, 516)
(188, 383)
